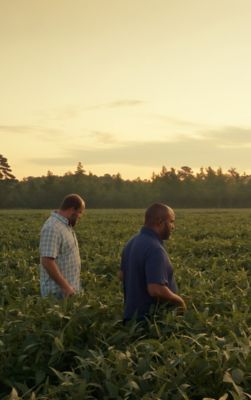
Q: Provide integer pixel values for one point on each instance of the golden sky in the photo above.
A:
(125, 85)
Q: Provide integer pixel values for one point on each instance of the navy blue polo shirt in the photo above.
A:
(144, 261)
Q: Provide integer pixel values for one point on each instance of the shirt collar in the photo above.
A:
(150, 232)
(55, 214)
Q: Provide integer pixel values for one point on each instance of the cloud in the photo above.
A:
(124, 103)
(185, 151)
(72, 112)
(223, 147)
(116, 104)
(229, 136)
(188, 152)
(20, 129)
(35, 130)
(180, 123)
(104, 137)
(64, 113)
(55, 161)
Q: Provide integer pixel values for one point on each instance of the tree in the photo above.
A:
(80, 169)
(5, 170)
(185, 173)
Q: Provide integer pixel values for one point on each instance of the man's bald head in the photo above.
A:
(160, 218)
(155, 213)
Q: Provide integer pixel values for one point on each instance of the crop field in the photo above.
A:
(78, 348)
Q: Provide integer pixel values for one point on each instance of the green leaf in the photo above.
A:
(224, 397)
(58, 343)
(237, 375)
(14, 395)
(112, 389)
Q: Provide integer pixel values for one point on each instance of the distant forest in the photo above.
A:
(176, 187)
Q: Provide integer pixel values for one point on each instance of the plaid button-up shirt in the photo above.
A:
(58, 240)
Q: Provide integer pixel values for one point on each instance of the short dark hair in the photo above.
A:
(155, 213)
(72, 201)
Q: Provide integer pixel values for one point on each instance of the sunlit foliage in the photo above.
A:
(79, 349)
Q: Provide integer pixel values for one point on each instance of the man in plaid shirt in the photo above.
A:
(60, 260)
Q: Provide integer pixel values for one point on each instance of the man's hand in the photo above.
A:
(69, 291)
(53, 271)
(162, 292)
(182, 307)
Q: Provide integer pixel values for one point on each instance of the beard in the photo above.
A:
(72, 220)
(165, 234)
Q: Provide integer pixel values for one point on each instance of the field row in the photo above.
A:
(79, 349)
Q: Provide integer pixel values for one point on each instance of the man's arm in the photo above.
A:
(53, 271)
(164, 293)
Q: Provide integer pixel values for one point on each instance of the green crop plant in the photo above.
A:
(79, 349)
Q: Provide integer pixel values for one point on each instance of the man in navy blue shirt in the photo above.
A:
(146, 271)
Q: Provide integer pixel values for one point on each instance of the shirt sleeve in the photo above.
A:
(156, 267)
(49, 243)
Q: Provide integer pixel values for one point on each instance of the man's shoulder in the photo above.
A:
(142, 241)
(52, 225)
(150, 239)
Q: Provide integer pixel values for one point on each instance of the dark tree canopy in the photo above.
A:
(5, 170)
(175, 187)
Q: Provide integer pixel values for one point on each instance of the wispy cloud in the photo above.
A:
(55, 161)
(179, 123)
(64, 113)
(116, 104)
(103, 137)
(185, 151)
(228, 136)
(234, 136)
(17, 129)
(70, 112)
(34, 130)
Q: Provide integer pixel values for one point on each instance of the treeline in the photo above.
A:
(176, 187)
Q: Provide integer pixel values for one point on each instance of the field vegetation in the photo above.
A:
(78, 348)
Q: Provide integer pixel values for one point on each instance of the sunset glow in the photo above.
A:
(125, 86)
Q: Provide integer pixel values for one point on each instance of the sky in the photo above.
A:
(125, 85)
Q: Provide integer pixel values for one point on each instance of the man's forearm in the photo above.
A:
(53, 271)
(164, 293)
